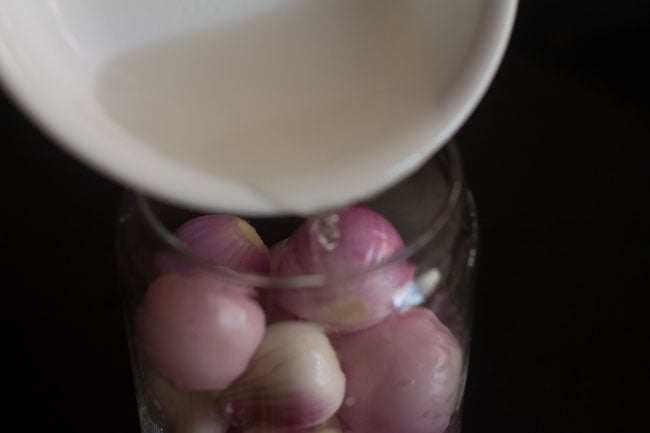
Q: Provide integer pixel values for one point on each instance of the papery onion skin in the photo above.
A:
(347, 304)
(220, 239)
(294, 380)
(403, 375)
(198, 332)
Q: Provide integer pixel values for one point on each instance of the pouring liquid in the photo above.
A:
(280, 95)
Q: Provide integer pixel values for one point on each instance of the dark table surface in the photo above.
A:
(557, 155)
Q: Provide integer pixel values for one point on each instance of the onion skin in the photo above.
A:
(220, 239)
(366, 239)
(294, 380)
(403, 375)
(198, 332)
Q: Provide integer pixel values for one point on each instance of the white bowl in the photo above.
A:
(57, 56)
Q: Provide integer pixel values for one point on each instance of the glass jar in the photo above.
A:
(359, 322)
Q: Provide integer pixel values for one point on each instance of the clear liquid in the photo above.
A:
(278, 95)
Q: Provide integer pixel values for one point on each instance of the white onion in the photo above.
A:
(294, 380)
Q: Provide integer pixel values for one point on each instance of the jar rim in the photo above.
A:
(454, 167)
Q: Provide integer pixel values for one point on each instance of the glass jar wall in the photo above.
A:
(356, 320)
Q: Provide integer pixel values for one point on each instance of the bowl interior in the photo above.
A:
(140, 89)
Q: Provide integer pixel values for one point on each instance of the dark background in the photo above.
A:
(557, 155)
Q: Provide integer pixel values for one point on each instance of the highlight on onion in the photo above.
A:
(336, 245)
(294, 380)
(198, 332)
(220, 239)
(403, 375)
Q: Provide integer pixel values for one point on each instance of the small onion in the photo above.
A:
(183, 411)
(221, 239)
(358, 238)
(294, 380)
(197, 331)
(403, 375)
